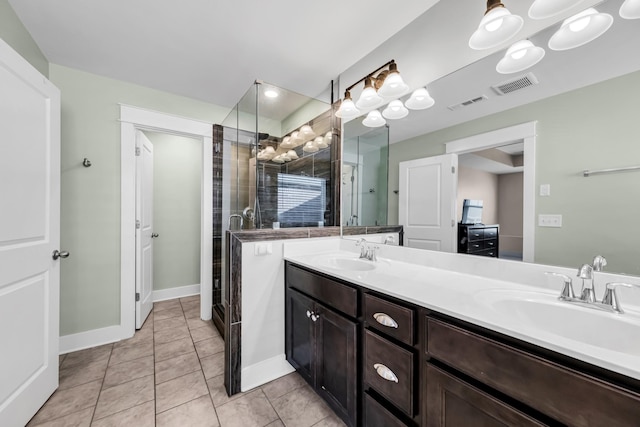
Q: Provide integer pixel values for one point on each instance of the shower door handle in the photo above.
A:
(154, 235)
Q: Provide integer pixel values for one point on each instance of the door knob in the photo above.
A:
(154, 235)
(57, 254)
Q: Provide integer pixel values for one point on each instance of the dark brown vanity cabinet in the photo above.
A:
(322, 340)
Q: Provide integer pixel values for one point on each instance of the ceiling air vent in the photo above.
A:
(515, 84)
(467, 103)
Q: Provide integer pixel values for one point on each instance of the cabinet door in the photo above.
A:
(336, 370)
(454, 403)
(300, 334)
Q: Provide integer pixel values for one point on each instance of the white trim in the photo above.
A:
(525, 132)
(133, 118)
(87, 339)
(261, 373)
(173, 293)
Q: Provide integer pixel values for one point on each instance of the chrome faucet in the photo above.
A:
(235, 216)
(588, 293)
(363, 248)
(610, 297)
(367, 250)
(389, 240)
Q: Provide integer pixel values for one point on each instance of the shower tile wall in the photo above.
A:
(241, 186)
(218, 147)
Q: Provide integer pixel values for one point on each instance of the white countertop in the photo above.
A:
(417, 276)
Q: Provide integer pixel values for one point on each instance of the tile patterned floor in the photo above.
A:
(170, 374)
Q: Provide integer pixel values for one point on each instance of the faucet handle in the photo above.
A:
(567, 288)
(611, 297)
(599, 262)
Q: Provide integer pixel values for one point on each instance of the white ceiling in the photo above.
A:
(214, 50)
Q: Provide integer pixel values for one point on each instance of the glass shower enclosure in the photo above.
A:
(277, 151)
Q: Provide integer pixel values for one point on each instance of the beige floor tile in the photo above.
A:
(192, 313)
(204, 333)
(172, 334)
(167, 314)
(139, 416)
(331, 421)
(127, 371)
(281, 386)
(131, 352)
(173, 349)
(190, 305)
(190, 298)
(196, 413)
(212, 366)
(251, 410)
(166, 305)
(209, 347)
(65, 402)
(301, 408)
(87, 356)
(176, 367)
(82, 374)
(61, 359)
(219, 393)
(141, 335)
(276, 423)
(180, 390)
(124, 396)
(173, 322)
(76, 419)
(197, 322)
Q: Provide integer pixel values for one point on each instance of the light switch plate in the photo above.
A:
(263, 249)
(545, 189)
(550, 220)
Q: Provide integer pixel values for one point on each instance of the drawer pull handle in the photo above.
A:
(385, 372)
(385, 320)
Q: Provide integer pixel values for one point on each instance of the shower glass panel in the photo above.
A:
(365, 169)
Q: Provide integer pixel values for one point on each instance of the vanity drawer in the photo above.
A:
(561, 393)
(390, 318)
(376, 415)
(476, 246)
(475, 234)
(330, 292)
(491, 232)
(490, 244)
(397, 387)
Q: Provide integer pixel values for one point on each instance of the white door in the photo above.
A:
(427, 202)
(29, 234)
(144, 228)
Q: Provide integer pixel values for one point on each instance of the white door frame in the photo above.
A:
(132, 119)
(523, 132)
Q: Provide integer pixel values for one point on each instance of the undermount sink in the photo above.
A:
(543, 311)
(348, 264)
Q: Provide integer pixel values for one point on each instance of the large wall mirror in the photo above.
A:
(584, 106)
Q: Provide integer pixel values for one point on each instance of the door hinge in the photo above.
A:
(453, 169)
(137, 296)
(216, 147)
(137, 151)
(137, 224)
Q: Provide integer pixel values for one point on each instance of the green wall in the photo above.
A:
(591, 128)
(90, 199)
(16, 35)
(177, 183)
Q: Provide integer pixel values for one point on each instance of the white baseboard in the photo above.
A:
(177, 292)
(92, 338)
(261, 373)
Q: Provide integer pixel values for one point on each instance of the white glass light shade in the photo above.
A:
(395, 110)
(542, 9)
(369, 98)
(310, 147)
(286, 142)
(580, 29)
(278, 159)
(319, 142)
(374, 119)
(630, 9)
(496, 27)
(296, 138)
(520, 56)
(328, 138)
(347, 110)
(307, 133)
(292, 154)
(419, 100)
(393, 86)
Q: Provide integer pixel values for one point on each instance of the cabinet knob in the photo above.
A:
(385, 320)
(309, 313)
(385, 372)
(315, 317)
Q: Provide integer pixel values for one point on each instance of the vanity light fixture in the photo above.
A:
(319, 142)
(630, 9)
(542, 9)
(369, 97)
(307, 133)
(520, 56)
(292, 155)
(374, 119)
(419, 100)
(496, 27)
(296, 138)
(395, 110)
(310, 147)
(286, 142)
(348, 109)
(328, 138)
(580, 29)
(393, 86)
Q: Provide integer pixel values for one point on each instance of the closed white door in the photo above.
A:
(427, 202)
(29, 234)
(144, 228)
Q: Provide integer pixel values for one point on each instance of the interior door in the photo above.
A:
(144, 228)
(427, 202)
(29, 234)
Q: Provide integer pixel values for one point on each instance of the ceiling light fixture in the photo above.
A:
(580, 29)
(542, 9)
(419, 100)
(496, 27)
(520, 56)
(374, 119)
(630, 9)
(270, 93)
(395, 110)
